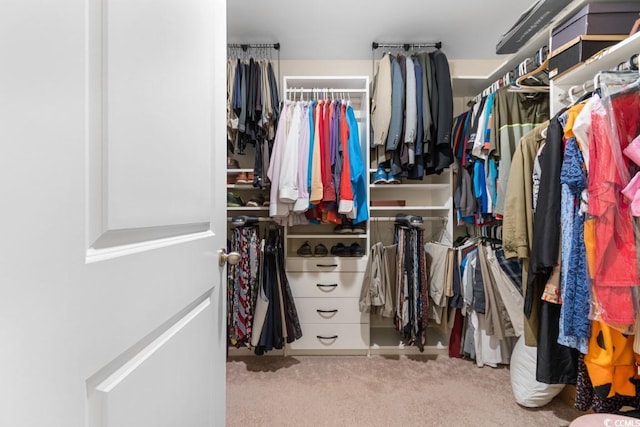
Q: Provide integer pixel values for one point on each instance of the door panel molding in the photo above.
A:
(112, 391)
(114, 244)
(141, 134)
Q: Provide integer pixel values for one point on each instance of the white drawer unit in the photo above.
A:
(326, 264)
(330, 310)
(321, 285)
(333, 337)
(327, 297)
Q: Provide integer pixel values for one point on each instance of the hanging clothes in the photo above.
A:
(242, 284)
(411, 114)
(317, 172)
(378, 289)
(412, 285)
(261, 313)
(253, 111)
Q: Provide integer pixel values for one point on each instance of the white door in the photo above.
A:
(112, 154)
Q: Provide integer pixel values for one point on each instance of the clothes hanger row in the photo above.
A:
(318, 94)
(257, 50)
(531, 75)
(624, 73)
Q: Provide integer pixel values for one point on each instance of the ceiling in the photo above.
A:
(345, 29)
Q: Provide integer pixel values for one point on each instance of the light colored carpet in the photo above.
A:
(377, 391)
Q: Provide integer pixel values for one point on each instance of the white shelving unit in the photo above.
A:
(327, 288)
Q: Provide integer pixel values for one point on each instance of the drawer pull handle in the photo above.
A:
(327, 311)
(333, 285)
(326, 265)
(333, 337)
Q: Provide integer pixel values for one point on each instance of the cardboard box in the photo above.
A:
(577, 51)
(596, 19)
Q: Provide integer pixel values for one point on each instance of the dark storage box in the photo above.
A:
(533, 20)
(577, 51)
(596, 19)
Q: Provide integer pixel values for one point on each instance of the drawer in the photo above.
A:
(317, 284)
(328, 263)
(332, 337)
(330, 310)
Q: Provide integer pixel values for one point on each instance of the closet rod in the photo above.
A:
(260, 219)
(320, 90)
(245, 46)
(405, 46)
(393, 218)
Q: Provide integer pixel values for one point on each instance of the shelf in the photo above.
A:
(386, 340)
(408, 208)
(247, 187)
(346, 236)
(606, 60)
(248, 208)
(239, 170)
(410, 186)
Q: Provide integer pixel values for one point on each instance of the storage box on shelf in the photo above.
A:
(600, 18)
(584, 73)
(577, 51)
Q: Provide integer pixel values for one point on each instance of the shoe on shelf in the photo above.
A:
(241, 178)
(356, 250)
(304, 250)
(234, 200)
(339, 250)
(248, 179)
(232, 163)
(256, 201)
(320, 250)
(359, 228)
(380, 177)
(344, 228)
(392, 179)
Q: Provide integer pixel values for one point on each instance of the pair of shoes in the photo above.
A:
(380, 177)
(234, 200)
(243, 220)
(232, 163)
(359, 228)
(352, 250)
(392, 179)
(256, 201)
(383, 177)
(350, 228)
(244, 178)
(409, 220)
(319, 250)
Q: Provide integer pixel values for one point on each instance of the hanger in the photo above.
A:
(613, 81)
(542, 68)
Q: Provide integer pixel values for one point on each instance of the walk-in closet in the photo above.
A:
(460, 236)
(431, 213)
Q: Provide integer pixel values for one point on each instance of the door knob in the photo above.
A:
(230, 258)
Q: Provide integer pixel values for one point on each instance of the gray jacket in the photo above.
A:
(397, 107)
